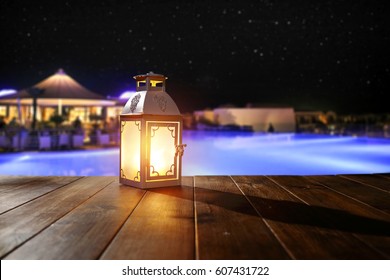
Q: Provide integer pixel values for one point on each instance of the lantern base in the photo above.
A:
(150, 184)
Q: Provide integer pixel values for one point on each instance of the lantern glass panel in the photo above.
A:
(163, 162)
(131, 150)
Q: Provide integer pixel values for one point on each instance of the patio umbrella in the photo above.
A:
(34, 92)
(59, 90)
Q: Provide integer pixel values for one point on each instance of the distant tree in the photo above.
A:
(35, 93)
(57, 120)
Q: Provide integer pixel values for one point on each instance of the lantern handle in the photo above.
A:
(180, 149)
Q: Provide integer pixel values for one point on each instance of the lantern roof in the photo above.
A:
(150, 97)
(150, 75)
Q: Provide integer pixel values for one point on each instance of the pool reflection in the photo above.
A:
(225, 153)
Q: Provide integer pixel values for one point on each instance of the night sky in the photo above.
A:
(312, 55)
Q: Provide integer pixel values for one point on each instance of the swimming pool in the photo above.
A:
(226, 153)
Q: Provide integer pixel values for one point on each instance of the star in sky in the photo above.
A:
(331, 55)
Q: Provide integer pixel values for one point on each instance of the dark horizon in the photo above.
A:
(310, 56)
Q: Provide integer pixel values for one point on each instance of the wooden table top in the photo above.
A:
(207, 217)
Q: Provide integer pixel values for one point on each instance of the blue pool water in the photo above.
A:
(226, 153)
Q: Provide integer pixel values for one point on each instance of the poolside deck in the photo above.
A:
(208, 217)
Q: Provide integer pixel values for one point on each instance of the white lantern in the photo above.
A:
(151, 136)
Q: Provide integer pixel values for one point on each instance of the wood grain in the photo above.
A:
(299, 226)
(160, 227)
(369, 225)
(387, 175)
(24, 222)
(374, 197)
(18, 193)
(374, 181)
(207, 217)
(11, 181)
(228, 227)
(96, 222)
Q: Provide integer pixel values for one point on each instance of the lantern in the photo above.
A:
(151, 136)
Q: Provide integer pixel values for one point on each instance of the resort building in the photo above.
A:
(57, 113)
(273, 119)
(315, 121)
(59, 94)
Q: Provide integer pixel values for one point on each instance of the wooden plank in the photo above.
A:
(228, 227)
(387, 175)
(29, 190)
(9, 179)
(375, 181)
(8, 182)
(87, 230)
(24, 222)
(298, 225)
(340, 212)
(372, 196)
(161, 227)
(187, 181)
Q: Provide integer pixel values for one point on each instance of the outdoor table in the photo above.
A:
(206, 217)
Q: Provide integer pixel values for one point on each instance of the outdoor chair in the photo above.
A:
(44, 142)
(77, 140)
(63, 140)
(103, 139)
(3, 141)
(14, 143)
(19, 142)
